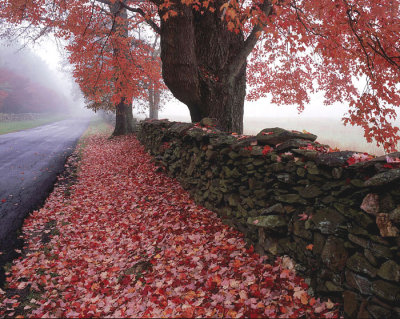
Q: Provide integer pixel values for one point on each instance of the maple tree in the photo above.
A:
(154, 92)
(110, 66)
(299, 47)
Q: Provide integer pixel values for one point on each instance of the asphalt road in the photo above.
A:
(30, 161)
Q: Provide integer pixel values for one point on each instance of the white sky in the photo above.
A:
(49, 52)
(325, 121)
(52, 54)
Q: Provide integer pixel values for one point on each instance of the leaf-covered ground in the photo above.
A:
(127, 241)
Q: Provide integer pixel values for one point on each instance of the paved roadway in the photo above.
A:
(30, 161)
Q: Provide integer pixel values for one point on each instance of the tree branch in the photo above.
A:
(107, 2)
(311, 30)
(239, 60)
(150, 22)
(370, 64)
(382, 52)
(90, 20)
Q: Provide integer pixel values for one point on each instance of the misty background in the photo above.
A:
(43, 68)
(30, 85)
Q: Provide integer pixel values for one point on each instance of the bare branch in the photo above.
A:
(104, 1)
(361, 42)
(249, 44)
(300, 19)
(90, 20)
(150, 22)
(382, 52)
(101, 55)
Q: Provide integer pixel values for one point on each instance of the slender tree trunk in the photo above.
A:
(123, 119)
(201, 68)
(154, 101)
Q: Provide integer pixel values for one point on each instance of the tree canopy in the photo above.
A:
(288, 48)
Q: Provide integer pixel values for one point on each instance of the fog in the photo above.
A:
(30, 85)
(324, 121)
(44, 65)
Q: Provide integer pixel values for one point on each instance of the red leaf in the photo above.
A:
(266, 149)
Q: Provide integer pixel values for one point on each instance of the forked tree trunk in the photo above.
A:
(123, 119)
(204, 65)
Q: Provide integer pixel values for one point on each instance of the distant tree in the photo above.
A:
(18, 94)
(152, 90)
(157, 92)
(298, 47)
(4, 89)
(154, 102)
(105, 65)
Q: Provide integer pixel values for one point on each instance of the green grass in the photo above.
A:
(98, 125)
(9, 127)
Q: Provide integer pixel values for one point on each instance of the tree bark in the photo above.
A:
(123, 111)
(123, 119)
(198, 53)
(154, 101)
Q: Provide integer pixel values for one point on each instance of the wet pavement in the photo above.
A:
(30, 161)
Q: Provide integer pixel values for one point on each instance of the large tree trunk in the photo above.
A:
(201, 65)
(123, 119)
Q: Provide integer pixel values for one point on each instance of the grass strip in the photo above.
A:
(9, 127)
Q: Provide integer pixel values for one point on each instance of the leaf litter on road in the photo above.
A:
(128, 241)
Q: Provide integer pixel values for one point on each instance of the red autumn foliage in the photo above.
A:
(359, 158)
(298, 48)
(129, 242)
(267, 149)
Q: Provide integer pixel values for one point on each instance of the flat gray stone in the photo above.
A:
(334, 159)
(292, 144)
(180, 128)
(383, 178)
(277, 208)
(270, 222)
(277, 135)
(328, 221)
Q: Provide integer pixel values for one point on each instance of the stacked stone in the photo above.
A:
(8, 117)
(289, 196)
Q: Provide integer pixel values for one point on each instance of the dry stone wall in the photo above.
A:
(9, 117)
(337, 214)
